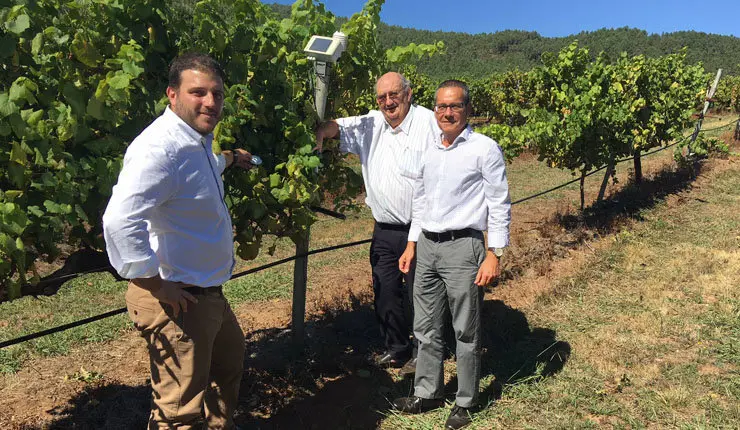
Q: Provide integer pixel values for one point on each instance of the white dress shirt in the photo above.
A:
(390, 158)
(463, 186)
(167, 214)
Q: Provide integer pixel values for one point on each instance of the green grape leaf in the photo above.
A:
(248, 250)
(131, 68)
(52, 207)
(85, 51)
(81, 213)
(34, 210)
(119, 82)
(96, 109)
(37, 43)
(7, 107)
(13, 194)
(17, 154)
(17, 174)
(15, 221)
(33, 117)
(19, 24)
(274, 180)
(22, 90)
(7, 244)
(75, 97)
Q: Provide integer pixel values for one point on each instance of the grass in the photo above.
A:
(653, 323)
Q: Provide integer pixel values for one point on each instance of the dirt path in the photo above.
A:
(329, 384)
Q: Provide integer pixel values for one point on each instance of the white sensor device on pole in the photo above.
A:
(326, 49)
(323, 51)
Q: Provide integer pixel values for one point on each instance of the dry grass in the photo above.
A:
(652, 320)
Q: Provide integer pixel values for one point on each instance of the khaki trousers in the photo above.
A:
(196, 359)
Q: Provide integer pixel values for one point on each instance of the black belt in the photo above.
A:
(197, 291)
(450, 235)
(394, 227)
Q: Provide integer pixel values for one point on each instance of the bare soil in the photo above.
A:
(327, 383)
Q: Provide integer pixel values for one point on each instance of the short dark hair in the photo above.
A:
(454, 83)
(193, 61)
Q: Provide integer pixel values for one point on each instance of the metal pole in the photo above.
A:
(322, 70)
(300, 270)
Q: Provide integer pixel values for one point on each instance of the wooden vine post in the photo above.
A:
(300, 280)
(609, 173)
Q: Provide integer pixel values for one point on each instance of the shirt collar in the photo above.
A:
(183, 127)
(405, 125)
(463, 137)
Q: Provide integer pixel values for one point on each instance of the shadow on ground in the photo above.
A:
(633, 199)
(328, 384)
(103, 406)
(514, 352)
(534, 250)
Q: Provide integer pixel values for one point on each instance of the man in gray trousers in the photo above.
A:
(461, 191)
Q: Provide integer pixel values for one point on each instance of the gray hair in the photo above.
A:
(454, 83)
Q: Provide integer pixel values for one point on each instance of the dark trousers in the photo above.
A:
(393, 289)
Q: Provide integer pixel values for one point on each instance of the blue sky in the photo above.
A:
(553, 18)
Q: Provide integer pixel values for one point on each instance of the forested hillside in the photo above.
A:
(479, 55)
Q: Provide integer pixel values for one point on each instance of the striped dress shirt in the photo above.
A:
(390, 158)
(463, 186)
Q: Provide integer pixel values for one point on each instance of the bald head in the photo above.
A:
(393, 92)
(393, 78)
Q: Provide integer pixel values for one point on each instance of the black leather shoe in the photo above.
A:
(409, 368)
(416, 405)
(389, 360)
(459, 418)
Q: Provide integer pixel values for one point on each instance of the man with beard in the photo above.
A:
(168, 230)
(390, 143)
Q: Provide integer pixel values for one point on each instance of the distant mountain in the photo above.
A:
(478, 55)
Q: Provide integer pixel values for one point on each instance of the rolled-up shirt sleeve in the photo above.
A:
(147, 180)
(496, 191)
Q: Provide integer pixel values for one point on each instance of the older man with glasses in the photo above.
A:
(460, 191)
(390, 142)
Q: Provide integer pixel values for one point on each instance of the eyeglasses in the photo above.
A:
(392, 95)
(455, 107)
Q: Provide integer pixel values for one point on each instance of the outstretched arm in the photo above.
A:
(326, 130)
(239, 158)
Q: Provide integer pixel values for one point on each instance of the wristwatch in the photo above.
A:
(498, 252)
(234, 159)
